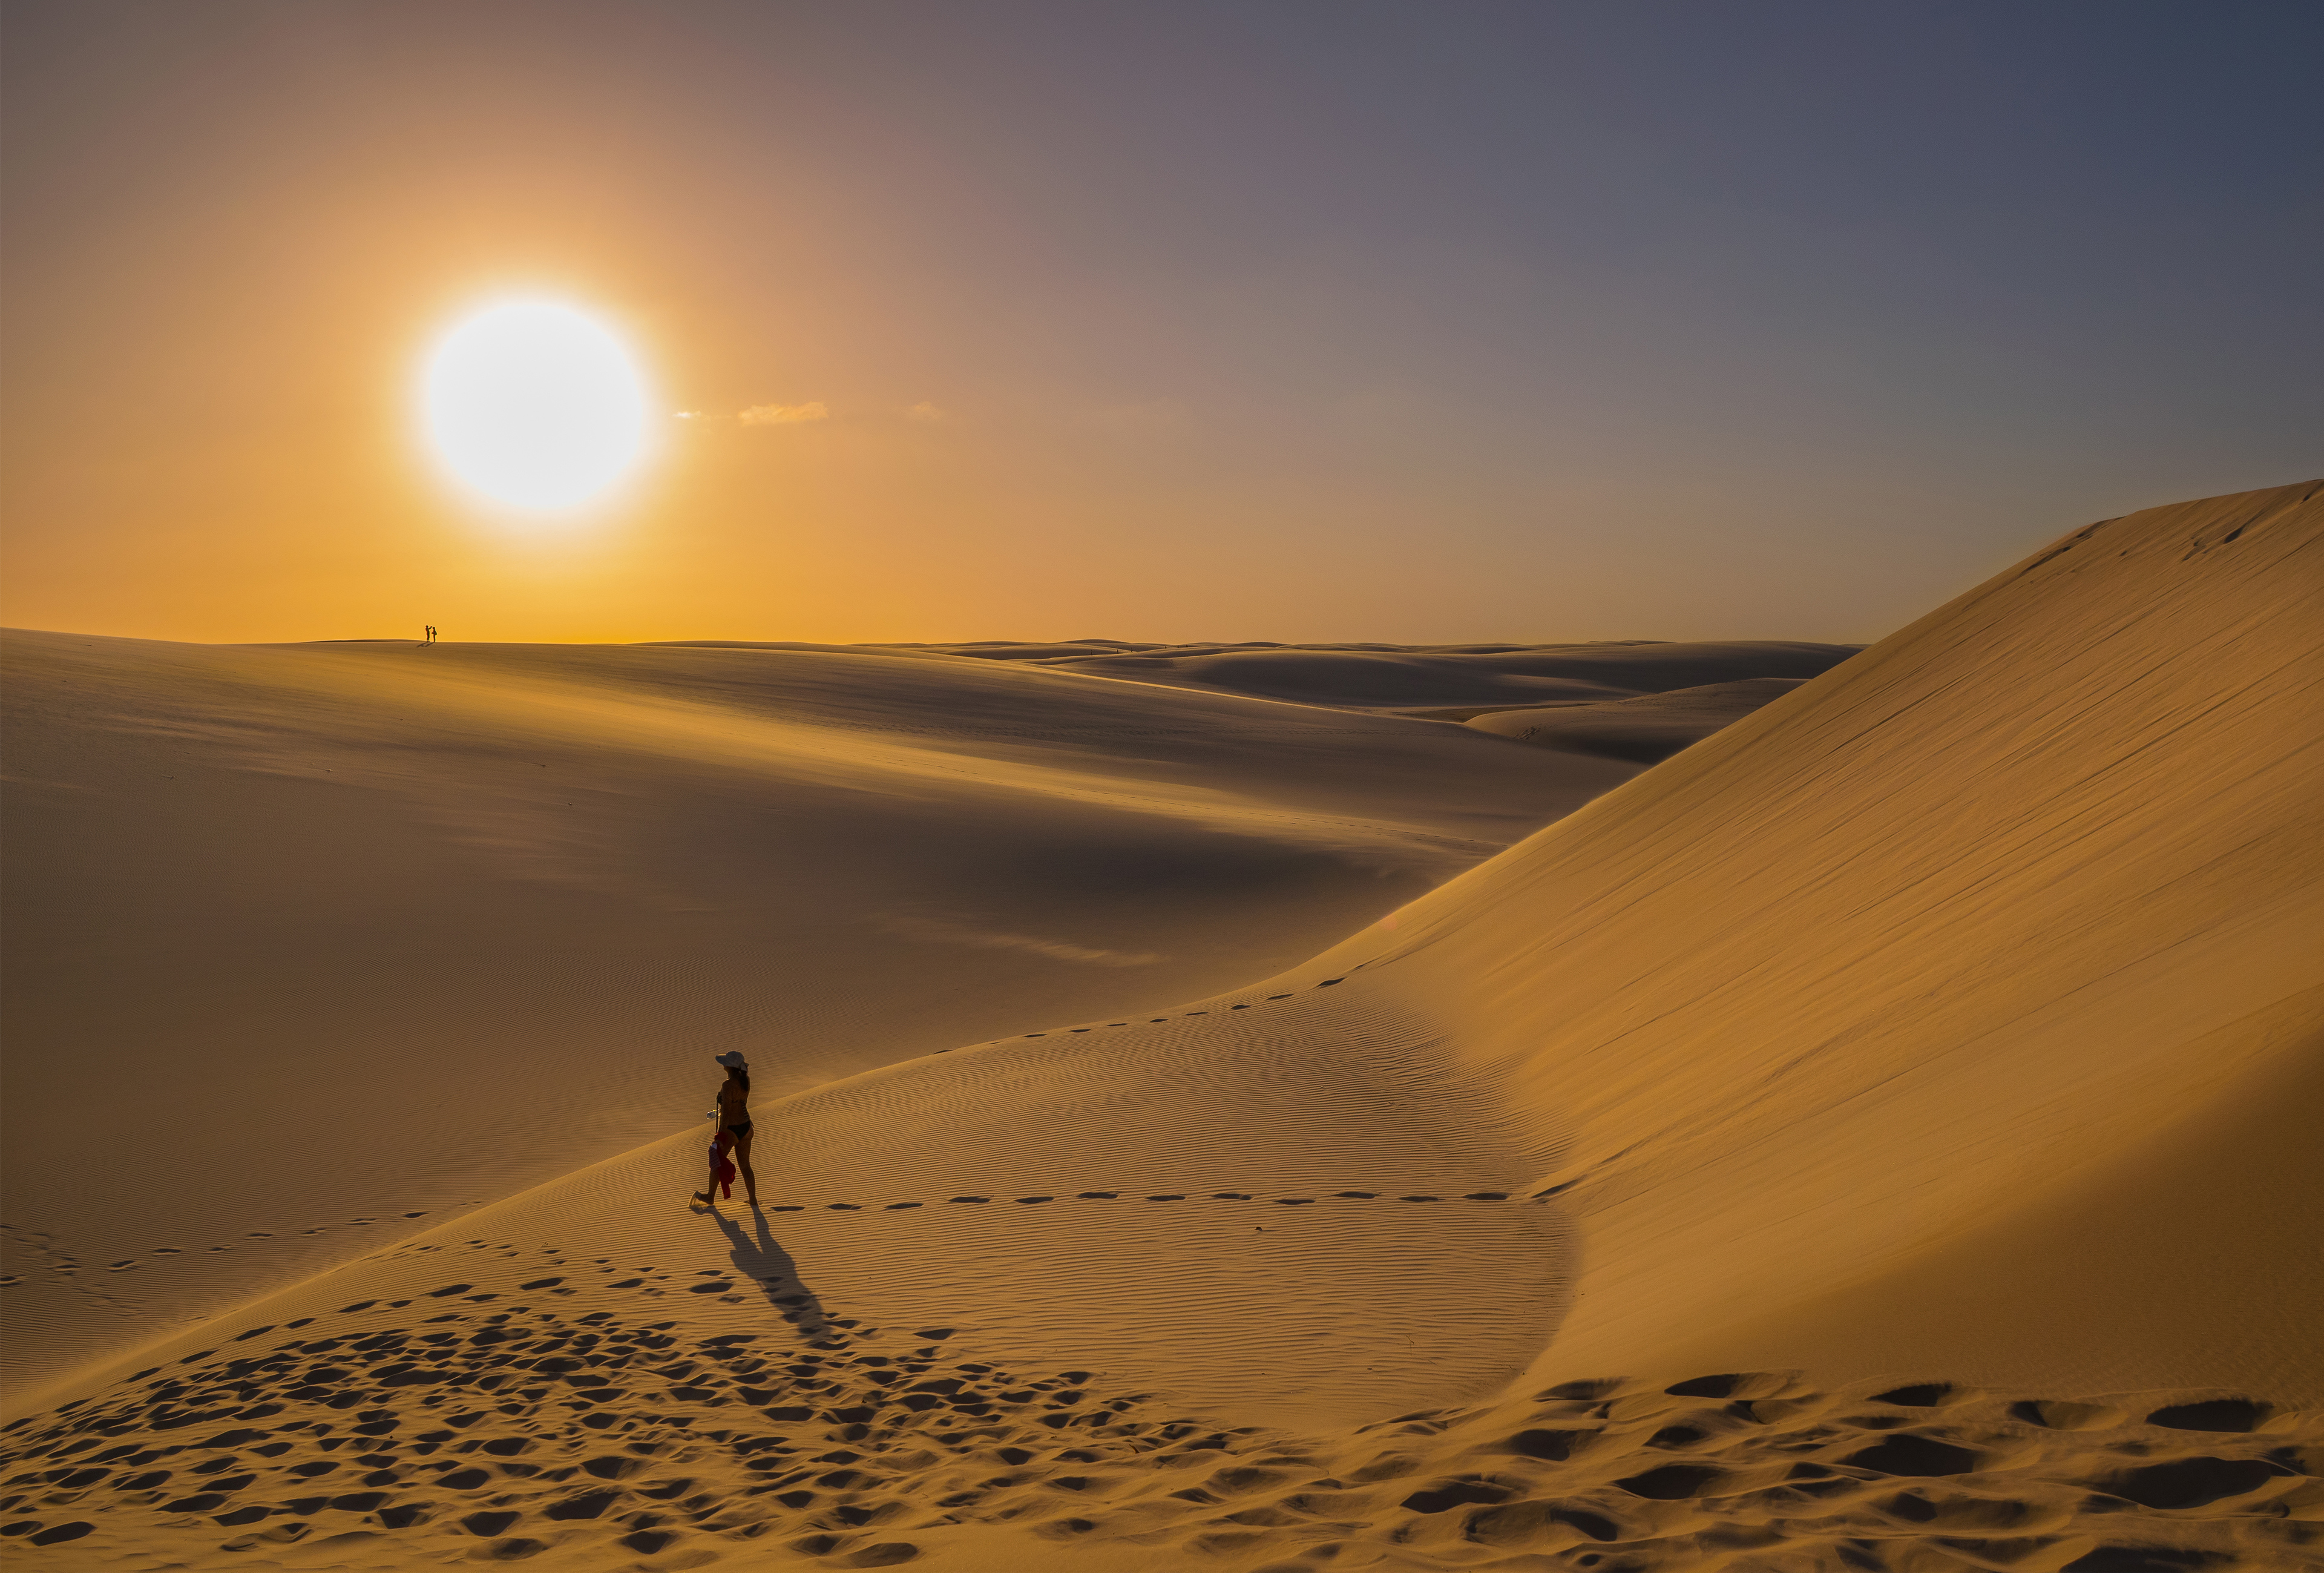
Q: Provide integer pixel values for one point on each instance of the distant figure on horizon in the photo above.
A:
(432, 633)
(733, 1116)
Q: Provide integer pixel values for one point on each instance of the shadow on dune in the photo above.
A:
(758, 1255)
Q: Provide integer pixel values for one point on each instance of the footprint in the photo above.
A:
(971, 1199)
(893, 1206)
(1366, 1195)
(1167, 1196)
(1037, 1199)
(1669, 1483)
(2210, 1415)
(1484, 1197)
(1419, 1199)
(1104, 1194)
(1292, 1201)
(2193, 1483)
(1718, 1385)
(1455, 1494)
(1231, 1196)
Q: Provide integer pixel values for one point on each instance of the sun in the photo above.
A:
(535, 404)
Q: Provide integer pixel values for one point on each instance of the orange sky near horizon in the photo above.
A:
(1155, 324)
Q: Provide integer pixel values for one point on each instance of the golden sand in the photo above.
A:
(1881, 1135)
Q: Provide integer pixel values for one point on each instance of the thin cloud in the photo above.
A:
(924, 411)
(783, 414)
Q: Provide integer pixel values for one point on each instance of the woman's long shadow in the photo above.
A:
(772, 1269)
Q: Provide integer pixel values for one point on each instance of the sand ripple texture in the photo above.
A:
(590, 1417)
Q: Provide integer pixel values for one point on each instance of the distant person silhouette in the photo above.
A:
(733, 1116)
(432, 633)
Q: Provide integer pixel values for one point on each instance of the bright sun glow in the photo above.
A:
(535, 404)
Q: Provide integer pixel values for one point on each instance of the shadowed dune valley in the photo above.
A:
(1632, 1104)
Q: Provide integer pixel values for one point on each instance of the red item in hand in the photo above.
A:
(725, 1169)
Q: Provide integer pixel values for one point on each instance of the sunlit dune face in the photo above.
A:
(535, 405)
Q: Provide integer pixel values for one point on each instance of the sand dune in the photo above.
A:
(1881, 1135)
(1932, 953)
(1413, 678)
(357, 936)
(1645, 730)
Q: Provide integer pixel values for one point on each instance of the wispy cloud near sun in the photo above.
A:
(783, 414)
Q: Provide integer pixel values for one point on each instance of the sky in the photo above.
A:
(1417, 322)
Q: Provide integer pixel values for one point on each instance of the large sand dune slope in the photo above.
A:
(1881, 1136)
(1958, 1011)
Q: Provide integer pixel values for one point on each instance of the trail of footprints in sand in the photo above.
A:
(473, 1425)
(1179, 1016)
(1149, 1197)
(466, 1427)
(67, 1266)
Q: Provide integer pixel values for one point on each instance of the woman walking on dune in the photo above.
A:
(734, 1115)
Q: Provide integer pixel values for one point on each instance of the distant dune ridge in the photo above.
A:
(1881, 1134)
(1412, 679)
